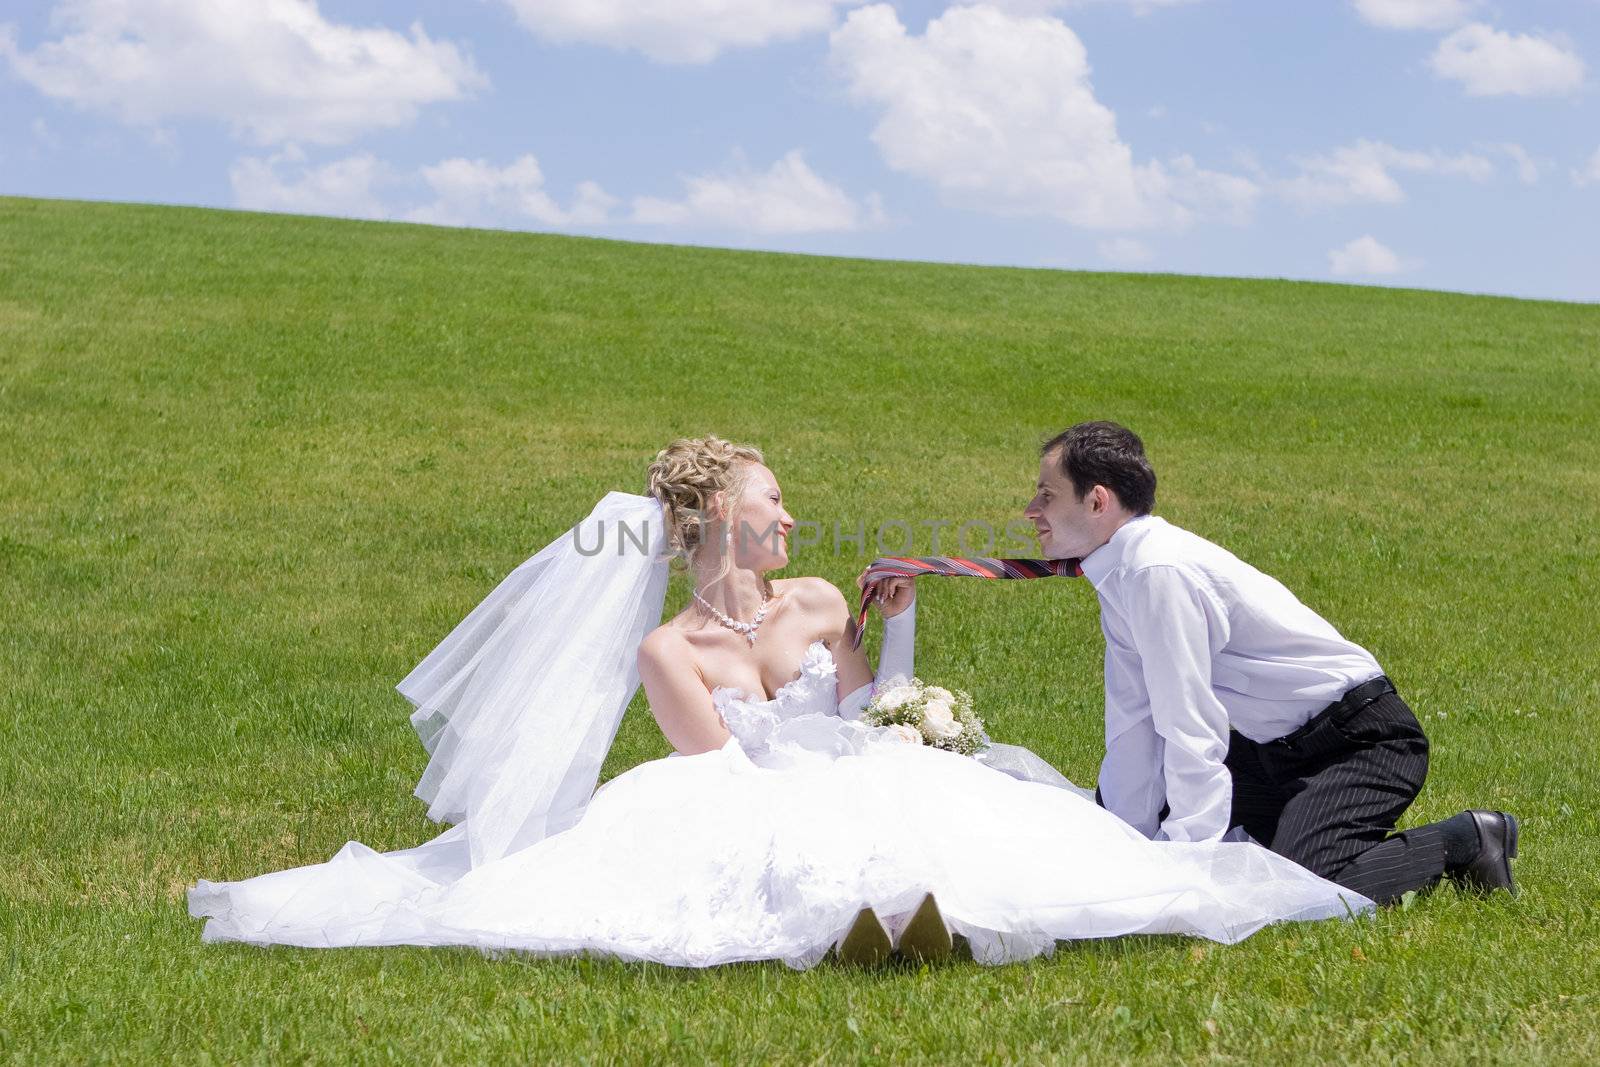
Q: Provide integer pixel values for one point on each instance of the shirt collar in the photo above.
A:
(1105, 559)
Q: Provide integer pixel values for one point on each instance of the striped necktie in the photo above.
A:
(956, 567)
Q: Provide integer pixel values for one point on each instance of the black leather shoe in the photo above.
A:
(1491, 868)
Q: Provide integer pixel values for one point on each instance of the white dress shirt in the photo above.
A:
(1197, 641)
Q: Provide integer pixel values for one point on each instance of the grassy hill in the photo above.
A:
(255, 466)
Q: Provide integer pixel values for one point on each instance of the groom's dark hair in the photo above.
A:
(1108, 454)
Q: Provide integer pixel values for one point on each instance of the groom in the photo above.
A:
(1230, 703)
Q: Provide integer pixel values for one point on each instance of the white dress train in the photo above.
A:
(768, 847)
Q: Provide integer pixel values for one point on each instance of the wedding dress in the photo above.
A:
(766, 848)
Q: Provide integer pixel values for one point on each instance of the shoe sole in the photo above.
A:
(867, 942)
(926, 938)
(1511, 851)
(1475, 885)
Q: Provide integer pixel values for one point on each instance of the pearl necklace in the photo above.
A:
(746, 628)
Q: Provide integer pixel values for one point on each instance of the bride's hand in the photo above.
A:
(895, 595)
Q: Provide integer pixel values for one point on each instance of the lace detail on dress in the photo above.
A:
(814, 692)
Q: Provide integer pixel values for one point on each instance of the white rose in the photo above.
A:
(937, 718)
(941, 694)
(896, 697)
(908, 734)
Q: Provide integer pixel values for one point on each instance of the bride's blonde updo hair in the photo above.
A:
(684, 476)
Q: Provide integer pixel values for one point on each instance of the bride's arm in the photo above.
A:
(857, 681)
(678, 696)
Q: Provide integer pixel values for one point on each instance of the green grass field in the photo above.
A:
(256, 466)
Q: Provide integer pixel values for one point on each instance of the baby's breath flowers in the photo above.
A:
(928, 714)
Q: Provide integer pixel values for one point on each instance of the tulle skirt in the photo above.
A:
(708, 859)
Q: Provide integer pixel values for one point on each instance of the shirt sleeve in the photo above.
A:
(1131, 782)
(1176, 624)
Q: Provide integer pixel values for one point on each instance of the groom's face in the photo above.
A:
(1067, 525)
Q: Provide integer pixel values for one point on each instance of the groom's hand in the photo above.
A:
(893, 595)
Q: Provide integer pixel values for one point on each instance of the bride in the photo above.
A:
(781, 828)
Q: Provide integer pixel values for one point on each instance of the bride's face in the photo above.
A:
(761, 543)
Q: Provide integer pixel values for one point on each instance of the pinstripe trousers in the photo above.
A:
(1328, 795)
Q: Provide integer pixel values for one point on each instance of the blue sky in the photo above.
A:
(1449, 144)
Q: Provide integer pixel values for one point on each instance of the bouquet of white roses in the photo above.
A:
(927, 715)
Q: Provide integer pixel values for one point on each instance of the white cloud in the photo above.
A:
(474, 192)
(1366, 255)
(789, 197)
(466, 192)
(273, 70)
(998, 112)
(346, 187)
(1589, 174)
(1124, 251)
(1363, 172)
(1528, 168)
(1489, 63)
(44, 134)
(1042, 7)
(1415, 14)
(675, 31)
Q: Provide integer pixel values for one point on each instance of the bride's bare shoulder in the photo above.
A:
(666, 643)
(811, 593)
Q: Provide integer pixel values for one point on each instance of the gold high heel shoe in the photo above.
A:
(926, 938)
(866, 943)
